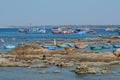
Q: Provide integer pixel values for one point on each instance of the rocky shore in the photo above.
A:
(33, 56)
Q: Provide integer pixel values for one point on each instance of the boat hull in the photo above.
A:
(95, 48)
(116, 46)
(9, 46)
(49, 47)
(106, 47)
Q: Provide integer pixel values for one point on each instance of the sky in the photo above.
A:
(59, 12)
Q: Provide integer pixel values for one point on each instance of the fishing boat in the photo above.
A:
(69, 49)
(116, 46)
(32, 30)
(71, 45)
(105, 47)
(9, 46)
(49, 47)
(82, 32)
(95, 47)
(67, 30)
(42, 31)
(110, 29)
(62, 45)
(56, 30)
(86, 45)
(22, 30)
(62, 30)
(91, 31)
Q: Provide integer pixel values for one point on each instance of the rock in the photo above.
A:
(56, 71)
(104, 71)
(108, 56)
(52, 62)
(80, 45)
(69, 64)
(42, 72)
(84, 69)
(114, 62)
(80, 69)
(117, 52)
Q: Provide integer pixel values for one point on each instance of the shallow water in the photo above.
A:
(19, 73)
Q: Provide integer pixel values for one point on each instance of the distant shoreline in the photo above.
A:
(51, 26)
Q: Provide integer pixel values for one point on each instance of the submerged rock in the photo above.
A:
(42, 72)
(84, 69)
(56, 71)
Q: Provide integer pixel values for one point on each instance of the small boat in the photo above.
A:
(92, 31)
(95, 48)
(116, 46)
(106, 47)
(49, 47)
(42, 31)
(110, 29)
(82, 32)
(22, 30)
(9, 46)
(32, 30)
(86, 45)
(62, 45)
(56, 30)
(69, 49)
(71, 45)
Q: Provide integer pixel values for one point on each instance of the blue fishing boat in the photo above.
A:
(82, 32)
(9, 46)
(106, 47)
(116, 46)
(42, 31)
(49, 47)
(71, 45)
(62, 45)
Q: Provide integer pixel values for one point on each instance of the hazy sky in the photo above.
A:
(59, 12)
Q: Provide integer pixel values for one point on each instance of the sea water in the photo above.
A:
(21, 73)
(8, 33)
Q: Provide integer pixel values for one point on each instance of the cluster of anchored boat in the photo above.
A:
(70, 46)
(32, 29)
(61, 30)
(58, 30)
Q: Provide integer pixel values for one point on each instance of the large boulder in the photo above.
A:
(108, 56)
(117, 52)
(80, 45)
